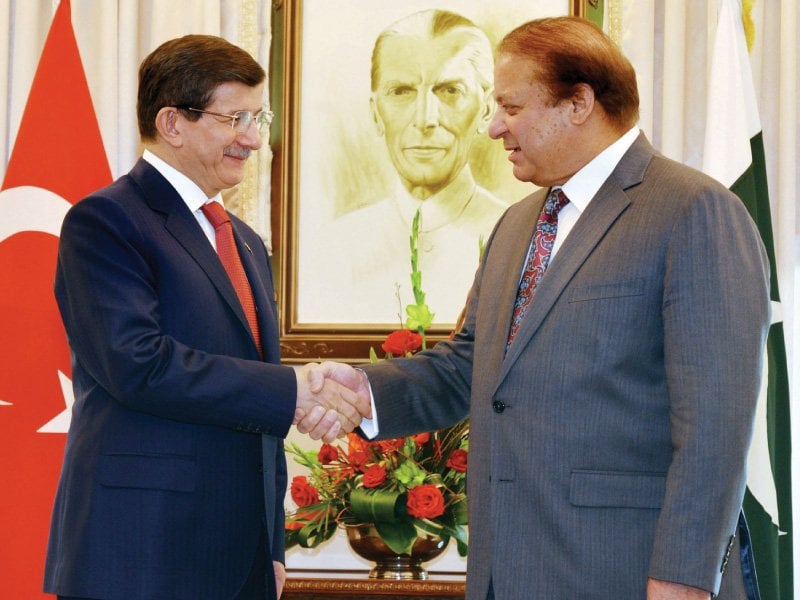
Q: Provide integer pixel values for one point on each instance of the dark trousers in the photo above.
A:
(255, 588)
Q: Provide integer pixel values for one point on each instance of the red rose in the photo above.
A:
(356, 443)
(421, 439)
(458, 461)
(327, 454)
(358, 459)
(303, 493)
(398, 343)
(425, 502)
(391, 445)
(374, 475)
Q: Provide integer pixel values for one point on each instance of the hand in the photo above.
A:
(344, 374)
(318, 376)
(326, 409)
(280, 576)
(666, 590)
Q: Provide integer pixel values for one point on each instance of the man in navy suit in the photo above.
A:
(174, 472)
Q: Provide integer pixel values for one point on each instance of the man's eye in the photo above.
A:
(450, 91)
(401, 91)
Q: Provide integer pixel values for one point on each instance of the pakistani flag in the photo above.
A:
(734, 154)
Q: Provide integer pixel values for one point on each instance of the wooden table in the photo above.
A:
(323, 585)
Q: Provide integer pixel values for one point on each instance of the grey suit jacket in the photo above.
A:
(609, 444)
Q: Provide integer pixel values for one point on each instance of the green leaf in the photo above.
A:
(410, 474)
(399, 536)
(313, 534)
(291, 538)
(418, 316)
(460, 513)
(462, 547)
(376, 505)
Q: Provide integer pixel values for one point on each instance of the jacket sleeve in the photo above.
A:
(716, 315)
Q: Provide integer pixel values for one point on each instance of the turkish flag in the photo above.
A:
(58, 158)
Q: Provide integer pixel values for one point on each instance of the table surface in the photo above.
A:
(321, 585)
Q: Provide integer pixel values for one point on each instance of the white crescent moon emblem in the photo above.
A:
(29, 208)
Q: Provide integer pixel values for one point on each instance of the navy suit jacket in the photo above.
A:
(176, 416)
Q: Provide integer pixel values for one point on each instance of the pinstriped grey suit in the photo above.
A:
(609, 444)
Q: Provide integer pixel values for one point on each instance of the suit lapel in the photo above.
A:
(183, 226)
(604, 209)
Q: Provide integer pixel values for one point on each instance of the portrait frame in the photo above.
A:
(305, 339)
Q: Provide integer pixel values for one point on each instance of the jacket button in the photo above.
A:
(498, 406)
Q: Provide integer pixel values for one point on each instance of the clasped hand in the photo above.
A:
(332, 398)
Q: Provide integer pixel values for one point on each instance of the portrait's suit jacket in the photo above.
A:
(176, 416)
(609, 444)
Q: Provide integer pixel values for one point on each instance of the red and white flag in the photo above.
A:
(58, 158)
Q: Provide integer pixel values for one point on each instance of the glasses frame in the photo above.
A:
(262, 118)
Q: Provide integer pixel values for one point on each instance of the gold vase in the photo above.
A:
(367, 543)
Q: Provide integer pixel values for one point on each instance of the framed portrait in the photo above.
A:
(365, 141)
(343, 196)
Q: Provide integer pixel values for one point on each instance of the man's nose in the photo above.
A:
(497, 126)
(252, 137)
(427, 110)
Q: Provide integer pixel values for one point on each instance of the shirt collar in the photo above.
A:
(442, 208)
(187, 189)
(583, 185)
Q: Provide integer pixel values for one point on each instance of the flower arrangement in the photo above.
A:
(405, 486)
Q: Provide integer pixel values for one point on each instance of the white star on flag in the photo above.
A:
(60, 423)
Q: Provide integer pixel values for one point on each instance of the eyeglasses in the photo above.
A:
(241, 119)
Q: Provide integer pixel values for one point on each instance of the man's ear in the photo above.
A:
(169, 125)
(376, 118)
(489, 107)
(582, 103)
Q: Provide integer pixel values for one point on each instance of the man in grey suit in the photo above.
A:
(609, 437)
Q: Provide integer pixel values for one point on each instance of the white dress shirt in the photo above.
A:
(189, 192)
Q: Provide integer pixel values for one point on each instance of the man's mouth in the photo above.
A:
(238, 153)
(424, 151)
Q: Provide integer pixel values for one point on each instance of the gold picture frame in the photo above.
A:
(304, 100)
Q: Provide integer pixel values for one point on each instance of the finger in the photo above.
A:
(330, 421)
(311, 419)
(299, 413)
(345, 403)
(342, 373)
(316, 377)
(333, 433)
(361, 400)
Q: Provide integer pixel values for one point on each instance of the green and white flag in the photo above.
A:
(734, 154)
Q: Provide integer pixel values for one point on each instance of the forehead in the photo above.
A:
(515, 76)
(413, 58)
(235, 95)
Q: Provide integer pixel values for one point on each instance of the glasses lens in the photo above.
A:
(242, 120)
(263, 119)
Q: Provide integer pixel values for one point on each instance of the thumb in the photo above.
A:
(315, 377)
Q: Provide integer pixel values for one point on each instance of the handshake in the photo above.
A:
(332, 398)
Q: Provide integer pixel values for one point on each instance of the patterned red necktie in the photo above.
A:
(229, 256)
(538, 257)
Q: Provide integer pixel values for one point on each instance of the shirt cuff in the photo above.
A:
(369, 427)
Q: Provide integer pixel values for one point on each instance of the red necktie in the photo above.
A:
(538, 257)
(229, 256)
